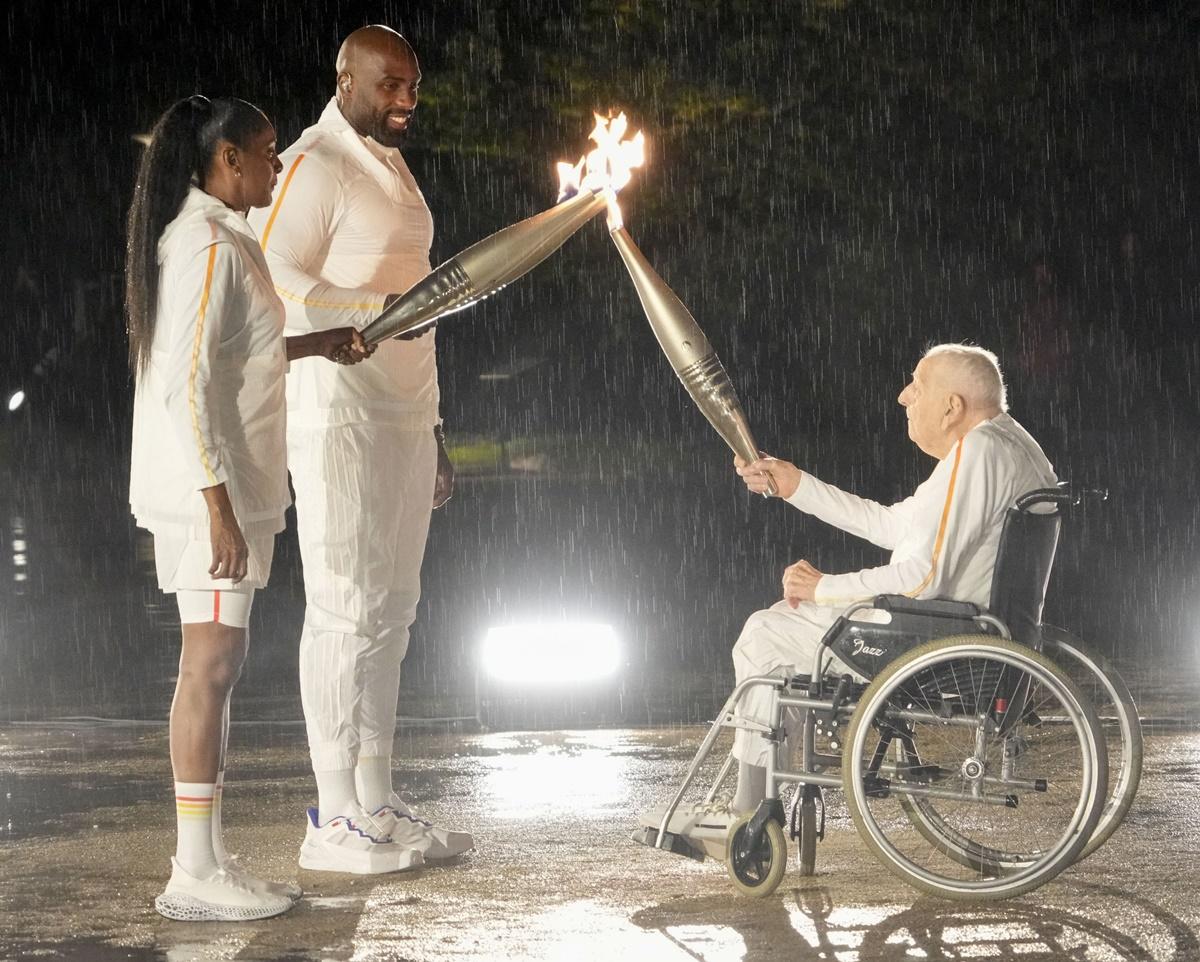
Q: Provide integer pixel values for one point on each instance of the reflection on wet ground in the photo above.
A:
(88, 829)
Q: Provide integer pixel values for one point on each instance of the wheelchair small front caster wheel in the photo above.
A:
(758, 872)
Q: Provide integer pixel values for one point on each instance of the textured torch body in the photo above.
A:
(688, 350)
(484, 267)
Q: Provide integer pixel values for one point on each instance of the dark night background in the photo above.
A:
(831, 186)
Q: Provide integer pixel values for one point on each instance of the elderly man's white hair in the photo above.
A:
(973, 372)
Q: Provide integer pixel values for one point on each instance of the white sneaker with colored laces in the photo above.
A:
(356, 843)
(221, 897)
(705, 827)
(288, 890)
(407, 827)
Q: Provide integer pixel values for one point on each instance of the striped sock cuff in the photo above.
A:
(194, 799)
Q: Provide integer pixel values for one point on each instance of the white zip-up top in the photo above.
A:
(209, 408)
(945, 537)
(348, 227)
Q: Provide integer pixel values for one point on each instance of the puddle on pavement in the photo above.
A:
(36, 806)
(79, 951)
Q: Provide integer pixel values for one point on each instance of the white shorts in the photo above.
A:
(183, 562)
(229, 607)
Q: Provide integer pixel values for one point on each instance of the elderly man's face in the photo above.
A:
(926, 402)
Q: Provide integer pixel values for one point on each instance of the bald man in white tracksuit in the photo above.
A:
(943, 539)
(349, 226)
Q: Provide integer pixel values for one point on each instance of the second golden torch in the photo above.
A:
(686, 347)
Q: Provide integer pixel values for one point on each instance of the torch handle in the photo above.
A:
(439, 292)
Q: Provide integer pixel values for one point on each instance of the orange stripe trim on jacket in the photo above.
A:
(942, 525)
(208, 275)
(279, 202)
(937, 544)
(312, 302)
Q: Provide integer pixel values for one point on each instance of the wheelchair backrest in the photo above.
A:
(1028, 542)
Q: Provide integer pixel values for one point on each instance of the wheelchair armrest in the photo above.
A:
(933, 607)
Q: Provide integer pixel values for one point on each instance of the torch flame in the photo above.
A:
(607, 167)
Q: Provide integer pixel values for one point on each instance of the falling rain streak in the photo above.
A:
(829, 186)
(828, 189)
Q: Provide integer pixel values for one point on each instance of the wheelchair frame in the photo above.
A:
(882, 715)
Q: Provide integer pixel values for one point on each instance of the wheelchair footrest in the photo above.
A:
(676, 844)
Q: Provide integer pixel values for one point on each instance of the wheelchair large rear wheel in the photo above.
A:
(1107, 692)
(1100, 684)
(994, 749)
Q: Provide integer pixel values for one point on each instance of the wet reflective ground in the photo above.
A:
(88, 829)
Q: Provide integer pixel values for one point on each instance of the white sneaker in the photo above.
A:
(705, 827)
(354, 843)
(221, 897)
(408, 828)
(289, 890)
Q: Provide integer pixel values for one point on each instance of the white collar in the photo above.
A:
(333, 119)
(384, 164)
(199, 201)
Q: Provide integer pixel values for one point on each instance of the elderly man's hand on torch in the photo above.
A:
(800, 583)
(756, 474)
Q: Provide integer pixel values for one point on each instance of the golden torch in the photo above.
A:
(488, 265)
(686, 347)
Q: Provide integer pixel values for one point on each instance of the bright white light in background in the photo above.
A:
(15, 400)
(551, 652)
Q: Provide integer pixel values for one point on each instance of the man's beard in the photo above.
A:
(389, 136)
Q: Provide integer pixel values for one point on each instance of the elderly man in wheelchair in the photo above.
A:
(973, 766)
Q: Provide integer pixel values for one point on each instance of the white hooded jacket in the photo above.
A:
(209, 408)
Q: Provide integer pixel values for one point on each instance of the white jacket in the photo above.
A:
(209, 408)
(348, 227)
(945, 537)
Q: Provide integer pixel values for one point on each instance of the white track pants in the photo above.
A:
(364, 495)
(780, 639)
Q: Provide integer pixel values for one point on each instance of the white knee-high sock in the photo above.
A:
(751, 787)
(218, 841)
(193, 821)
(335, 793)
(373, 780)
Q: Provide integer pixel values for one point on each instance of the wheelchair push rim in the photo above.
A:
(966, 708)
(1118, 715)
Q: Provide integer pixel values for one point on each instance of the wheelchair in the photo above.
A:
(984, 754)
